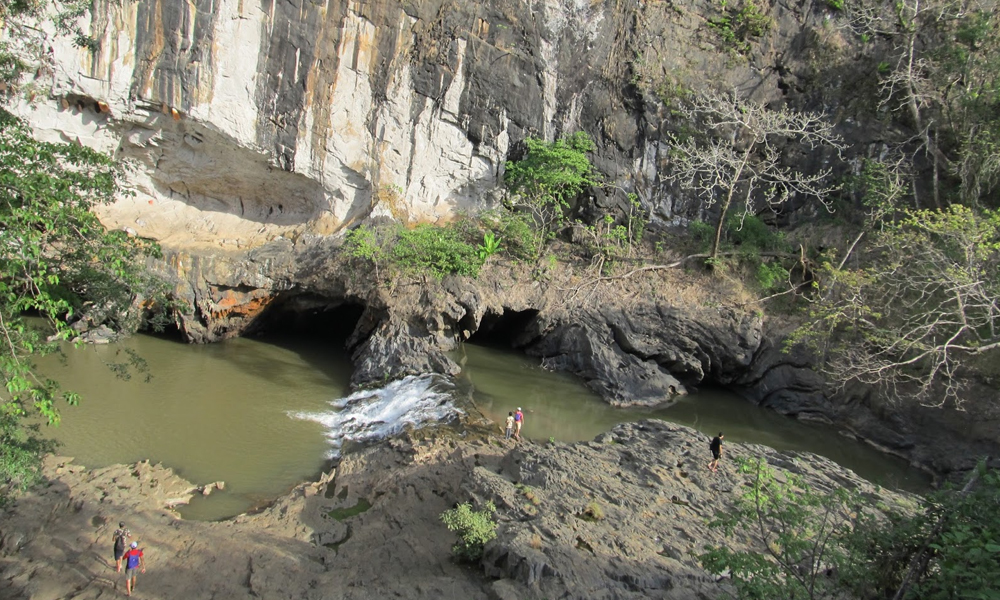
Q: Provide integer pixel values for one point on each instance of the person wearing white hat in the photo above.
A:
(133, 561)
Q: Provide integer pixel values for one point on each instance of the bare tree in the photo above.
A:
(928, 302)
(940, 66)
(738, 155)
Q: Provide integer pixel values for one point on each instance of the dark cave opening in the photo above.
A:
(308, 316)
(509, 329)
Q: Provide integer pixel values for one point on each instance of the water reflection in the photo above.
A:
(558, 405)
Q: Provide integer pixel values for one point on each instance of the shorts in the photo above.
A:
(131, 573)
(716, 454)
(119, 554)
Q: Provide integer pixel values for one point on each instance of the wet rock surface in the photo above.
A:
(371, 528)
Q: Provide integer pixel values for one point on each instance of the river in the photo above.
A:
(266, 414)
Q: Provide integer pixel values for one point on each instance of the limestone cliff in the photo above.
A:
(253, 120)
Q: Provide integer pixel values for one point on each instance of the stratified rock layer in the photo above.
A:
(254, 120)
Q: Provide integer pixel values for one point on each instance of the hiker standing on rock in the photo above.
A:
(716, 447)
(509, 429)
(120, 539)
(518, 423)
(133, 561)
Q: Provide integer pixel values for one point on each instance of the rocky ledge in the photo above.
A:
(371, 529)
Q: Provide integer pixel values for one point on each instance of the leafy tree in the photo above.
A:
(475, 528)
(798, 529)
(549, 178)
(948, 548)
(739, 158)
(810, 544)
(58, 262)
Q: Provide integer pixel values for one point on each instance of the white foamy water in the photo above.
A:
(374, 414)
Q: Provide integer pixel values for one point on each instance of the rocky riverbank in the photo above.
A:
(370, 528)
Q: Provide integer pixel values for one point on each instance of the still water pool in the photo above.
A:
(558, 405)
(266, 414)
(212, 412)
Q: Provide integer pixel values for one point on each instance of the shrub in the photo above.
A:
(752, 235)
(771, 275)
(593, 511)
(702, 234)
(548, 179)
(475, 528)
(438, 250)
(371, 244)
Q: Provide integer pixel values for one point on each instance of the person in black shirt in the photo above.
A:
(716, 447)
(120, 539)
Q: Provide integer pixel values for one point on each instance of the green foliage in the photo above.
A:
(772, 276)
(922, 305)
(748, 236)
(737, 27)
(58, 261)
(549, 178)
(953, 540)
(751, 235)
(837, 5)
(593, 511)
(26, 45)
(796, 527)
(425, 249)
(371, 244)
(61, 263)
(809, 545)
(489, 247)
(474, 528)
(20, 449)
(517, 231)
(437, 250)
(701, 232)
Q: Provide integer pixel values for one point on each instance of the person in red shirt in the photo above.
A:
(133, 561)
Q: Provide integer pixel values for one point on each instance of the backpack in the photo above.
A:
(120, 542)
(133, 558)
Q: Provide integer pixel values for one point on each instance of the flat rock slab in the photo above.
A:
(371, 528)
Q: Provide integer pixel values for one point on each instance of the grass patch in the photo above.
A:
(346, 513)
(592, 512)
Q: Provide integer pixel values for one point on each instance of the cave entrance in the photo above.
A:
(309, 317)
(509, 329)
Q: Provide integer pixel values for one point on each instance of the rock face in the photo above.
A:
(254, 120)
(632, 352)
(624, 516)
(371, 529)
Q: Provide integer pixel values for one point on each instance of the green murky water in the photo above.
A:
(221, 412)
(212, 412)
(558, 405)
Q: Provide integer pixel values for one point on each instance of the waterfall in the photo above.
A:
(373, 414)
